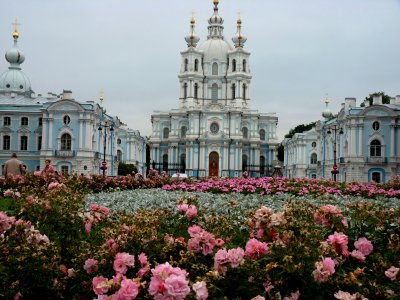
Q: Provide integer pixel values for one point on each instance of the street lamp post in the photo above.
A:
(105, 125)
(335, 169)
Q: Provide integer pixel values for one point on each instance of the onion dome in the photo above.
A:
(239, 39)
(192, 39)
(14, 80)
(327, 113)
(215, 30)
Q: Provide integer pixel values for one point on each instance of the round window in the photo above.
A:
(375, 125)
(67, 120)
(214, 128)
(119, 141)
(313, 144)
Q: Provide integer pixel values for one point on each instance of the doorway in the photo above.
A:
(213, 164)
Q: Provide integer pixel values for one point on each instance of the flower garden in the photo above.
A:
(129, 237)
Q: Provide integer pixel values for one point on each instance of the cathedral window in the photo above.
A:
(196, 91)
(234, 65)
(244, 88)
(24, 121)
(7, 121)
(64, 170)
(233, 91)
(244, 65)
(165, 162)
(214, 128)
(40, 122)
(182, 168)
(39, 143)
(215, 69)
(183, 132)
(262, 135)
(66, 120)
(313, 144)
(196, 65)
(66, 142)
(119, 141)
(244, 162)
(375, 125)
(214, 92)
(262, 166)
(166, 133)
(6, 142)
(119, 155)
(186, 64)
(24, 143)
(313, 159)
(245, 133)
(375, 148)
(185, 90)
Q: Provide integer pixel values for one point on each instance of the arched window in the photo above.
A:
(234, 65)
(245, 133)
(6, 142)
(314, 144)
(313, 159)
(262, 166)
(66, 120)
(165, 162)
(186, 64)
(119, 155)
(196, 65)
(244, 87)
(66, 142)
(375, 148)
(185, 90)
(214, 92)
(39, 143)
(183, 132)
(215, 69)
(196, 90)
(262, 135)
(244, 65)
(24, 143)
(244, 162)
(166, 133)
(233, 91)
(182, 168)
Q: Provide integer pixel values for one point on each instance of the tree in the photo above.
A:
(125, 169)
(385, 98)
(300, 128)
(281, 153)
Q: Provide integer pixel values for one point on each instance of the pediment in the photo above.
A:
(378, 111)
(65, 106)
(5, 129)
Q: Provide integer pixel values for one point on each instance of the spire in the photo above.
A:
(14, 56)
(215, 30)
(192, 39)
(239, 39)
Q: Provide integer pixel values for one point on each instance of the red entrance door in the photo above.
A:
(213, 162)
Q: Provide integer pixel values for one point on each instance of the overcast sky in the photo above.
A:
(301, 51)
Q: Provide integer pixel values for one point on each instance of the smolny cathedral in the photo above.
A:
(213, 131)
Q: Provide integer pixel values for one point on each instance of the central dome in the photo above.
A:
(215, 49)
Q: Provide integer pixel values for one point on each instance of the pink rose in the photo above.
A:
(358, 255)
(235, 257)
(91, 265)
(364, 246)
(177, 287)
(339, 243)
(345, 296)
(324, 269)
(200, 288)
(255, 249)
(183, 207)
(191, 212)
(128, 290)
(100, 285)
(392, 272)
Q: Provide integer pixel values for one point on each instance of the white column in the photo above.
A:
(392, 139)
(49, 146)
(80, 132)
(44, 133)
(88, 140)
(360, 141)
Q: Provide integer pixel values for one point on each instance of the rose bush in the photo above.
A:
(57, 242)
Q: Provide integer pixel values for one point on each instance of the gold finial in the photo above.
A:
(101, 97)
(239, 21)
(327, 100)
(193, 20)
(15, 33)
(216, 2)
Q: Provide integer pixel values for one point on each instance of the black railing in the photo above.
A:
(64, 153)
(258, 170)
(170, 169)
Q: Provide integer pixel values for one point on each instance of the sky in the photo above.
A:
(301, 51)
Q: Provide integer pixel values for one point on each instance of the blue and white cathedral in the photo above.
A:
(214, 132)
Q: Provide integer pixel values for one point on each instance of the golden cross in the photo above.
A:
(238, 14)
(16, 24)
(101, 97)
